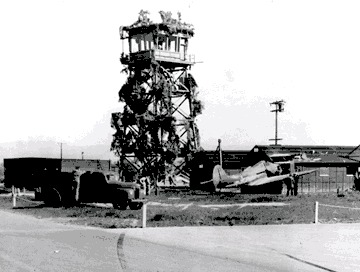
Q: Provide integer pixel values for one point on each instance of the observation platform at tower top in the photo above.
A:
(167, 58)
(164, 43)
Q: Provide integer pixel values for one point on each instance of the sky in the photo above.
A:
(60, 72)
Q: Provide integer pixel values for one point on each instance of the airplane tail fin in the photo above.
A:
(218, 174)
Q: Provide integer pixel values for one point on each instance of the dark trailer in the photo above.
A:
(51, 179)
(29, 173)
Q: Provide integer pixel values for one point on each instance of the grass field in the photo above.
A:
(185, 208)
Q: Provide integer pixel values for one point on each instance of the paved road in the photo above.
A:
(256, 248)
(30, 244)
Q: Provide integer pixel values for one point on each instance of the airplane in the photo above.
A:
(263, 172)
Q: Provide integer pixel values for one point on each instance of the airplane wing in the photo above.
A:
(315, 160)
(305, 172)
(266, 180)
(284, 162)
(207, 181)
(281, 155)
(236, 184)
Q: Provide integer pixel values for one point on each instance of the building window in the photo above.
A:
(324, 171)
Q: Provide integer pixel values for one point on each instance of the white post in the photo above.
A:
(316, 212)
(144, 216)
(13, 189)
(220, 152)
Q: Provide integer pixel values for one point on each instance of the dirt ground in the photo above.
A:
(186, 208)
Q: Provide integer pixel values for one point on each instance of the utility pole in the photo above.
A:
(279, 107)
(61, 150)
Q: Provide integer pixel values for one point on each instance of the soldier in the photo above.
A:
(296, 182)
(290, 181)
(76, 183)
(171, 179)
(357, 180)
(145, 182)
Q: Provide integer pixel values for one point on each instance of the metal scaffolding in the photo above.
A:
(156, 132)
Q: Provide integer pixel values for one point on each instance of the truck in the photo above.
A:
(53, 182)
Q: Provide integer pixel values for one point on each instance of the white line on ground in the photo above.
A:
(216, 206)
(241, 205)
(186, 206)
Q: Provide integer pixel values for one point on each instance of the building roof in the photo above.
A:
(355, 154)
(329, 158)
(315, 150)
(327, 154)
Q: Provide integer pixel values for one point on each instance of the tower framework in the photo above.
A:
(156, 132)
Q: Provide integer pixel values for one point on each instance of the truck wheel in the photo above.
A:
(120, 205)
(53, 197)
(135, 205)
(123, 206)
(38, 195)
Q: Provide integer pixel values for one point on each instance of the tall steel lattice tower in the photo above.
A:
(156, 133)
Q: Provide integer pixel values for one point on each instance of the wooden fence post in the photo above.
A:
(144, 215)
(316, 212)
(13, 190)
